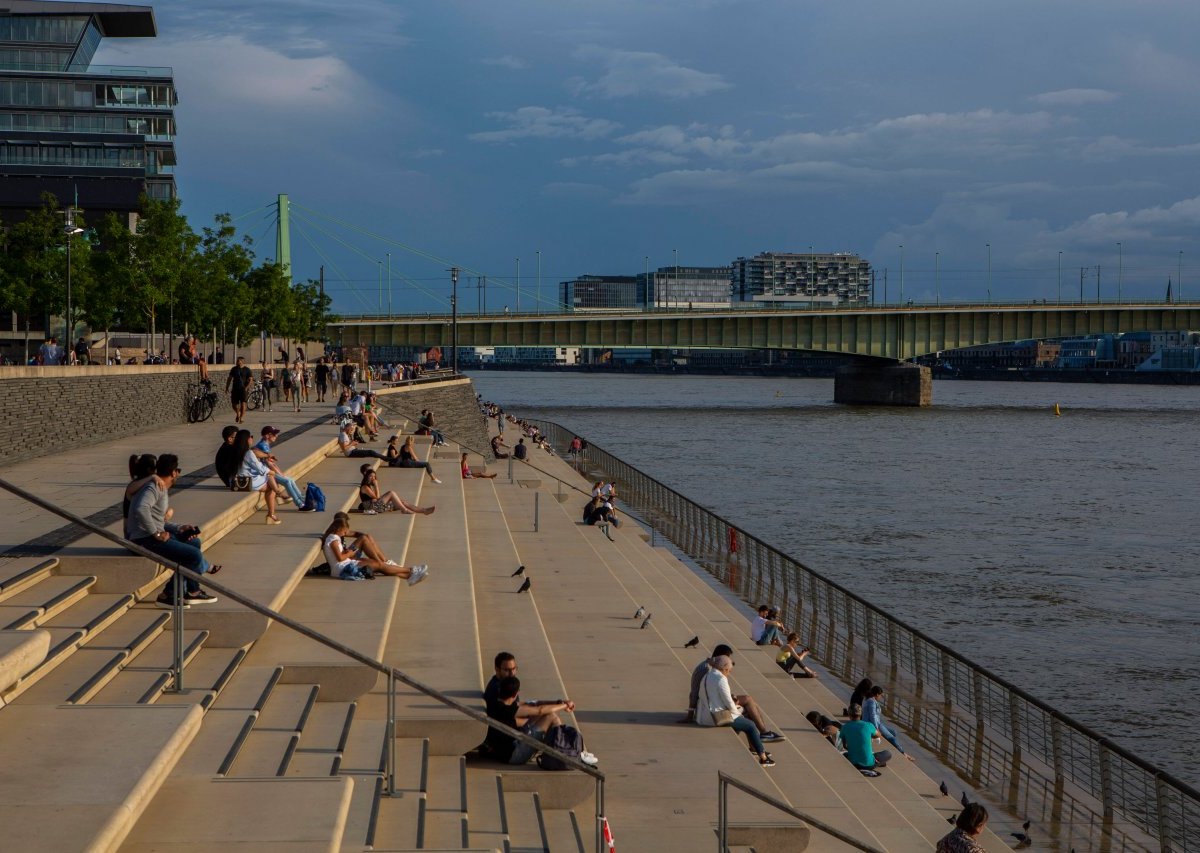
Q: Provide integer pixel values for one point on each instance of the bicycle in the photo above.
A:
(256, 396)
(201, 402)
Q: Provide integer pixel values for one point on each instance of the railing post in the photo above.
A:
(1056, 758)
(1161, 807)
(177, 635)
(391, 733)
(510, 470)
(722, 815)
(1106, 783)
(1014, 726)
(537, 510)
(599, 815)
(976, 768)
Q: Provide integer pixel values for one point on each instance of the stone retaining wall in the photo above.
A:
(455, 410)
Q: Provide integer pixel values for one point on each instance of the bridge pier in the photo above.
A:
(883, 384)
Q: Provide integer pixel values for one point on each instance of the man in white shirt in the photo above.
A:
(765, 631)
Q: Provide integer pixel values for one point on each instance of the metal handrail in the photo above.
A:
(391, 672)
(1160, 780)
(724, 780)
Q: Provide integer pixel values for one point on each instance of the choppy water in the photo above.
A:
(1060, 552)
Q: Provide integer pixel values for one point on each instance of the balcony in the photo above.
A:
(133, 71)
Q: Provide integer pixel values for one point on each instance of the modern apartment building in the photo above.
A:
(791, 278)
(686, 287)
(97, 135)
(603, 293)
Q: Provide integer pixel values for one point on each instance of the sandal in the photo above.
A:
(212, 570)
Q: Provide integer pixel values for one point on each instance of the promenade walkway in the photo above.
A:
(278, 745)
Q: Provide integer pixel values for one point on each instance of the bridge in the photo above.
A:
(882, 336)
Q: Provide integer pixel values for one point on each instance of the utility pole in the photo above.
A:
(1120, 270)
(539, 286)
(1081, 269)
(1097, 284)
(454, 318)
(1060, 278)
(885, 297)
(901, 273)
(484, 285)
(937, 279)
(518, 285)
(389, 259)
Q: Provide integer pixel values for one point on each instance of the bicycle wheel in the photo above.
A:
(254, 399)
(204, 408)
(194, 410)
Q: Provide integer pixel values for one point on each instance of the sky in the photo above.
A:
(611, 136)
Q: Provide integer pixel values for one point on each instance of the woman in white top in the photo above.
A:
(261, 478)
(715, 697)
(366, 559)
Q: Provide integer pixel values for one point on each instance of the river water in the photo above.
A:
(1059, 552)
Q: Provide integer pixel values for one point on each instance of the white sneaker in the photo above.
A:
(369, 512)
(391, 562)
(588, 758)
(419, 573)
(436, 480)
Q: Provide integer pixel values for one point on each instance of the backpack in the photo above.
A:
(565, 739)
(314, 498)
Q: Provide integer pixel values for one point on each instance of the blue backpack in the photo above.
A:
(314, 498)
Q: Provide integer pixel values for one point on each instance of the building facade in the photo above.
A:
(792, 278)
(603, 293)
(95, 136)
(686, 287)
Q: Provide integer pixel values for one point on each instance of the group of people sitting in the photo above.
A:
(363, 559)
(248, 466)
(601, 507)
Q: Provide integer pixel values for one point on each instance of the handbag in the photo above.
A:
(240, 483)
(723, 717)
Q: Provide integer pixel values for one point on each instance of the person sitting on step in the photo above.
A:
(406, 456)
(350, 564)
(349, 446)
(261, 477)
(749, 706)
(716, 701)
(227, 461)
(790, 657)
(371, 502)
(468, 474)
(533, 720)
(765, 630)
(854, 739)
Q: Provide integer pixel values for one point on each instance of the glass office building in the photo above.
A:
(103, 135)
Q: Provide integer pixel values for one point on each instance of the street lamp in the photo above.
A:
(937, 278)
(518, 285)
(389, 260)
(539, 286)
(380, 264)
(454, 318)
(1060, 278)
(1179, 279)
(989, 275)
(70, 230)
(675, 289)
(902, 274)
(1120, 270)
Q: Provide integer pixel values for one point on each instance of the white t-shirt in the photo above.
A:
(758, 627)
(335, 565)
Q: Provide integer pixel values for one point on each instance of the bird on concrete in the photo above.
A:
(525, 586)
(944, 789)
(952, 819)
(692, 643)
(1023, 838)
(639, 613)
(966, 801)
(520, 571)
(646, 621)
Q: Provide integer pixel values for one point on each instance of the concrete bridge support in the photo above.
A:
(883, 384)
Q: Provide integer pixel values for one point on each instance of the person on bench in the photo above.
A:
(533, 720)
(750, 707)
(372, 502)
(855, 740)
(349, 564)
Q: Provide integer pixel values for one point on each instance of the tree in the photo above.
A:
(114, 269)
(311, 310)
(225, 264)
(35, 264)
(165, 253)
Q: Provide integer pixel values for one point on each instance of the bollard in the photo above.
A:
(537, 510)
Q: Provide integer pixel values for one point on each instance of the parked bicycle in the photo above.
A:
(256, 396)
(201, 401)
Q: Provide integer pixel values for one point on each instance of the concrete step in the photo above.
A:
(17, 573)
(92, 613)
(565, 832)
(446, 803)
(144, 678)
(323, 740)
(526, 826)
(486, 809)
(42, 601)
(77, 791)
(399, 824)
(63, 643)
(284, 815)
(20, 653)
(271, 742)
(205, 676)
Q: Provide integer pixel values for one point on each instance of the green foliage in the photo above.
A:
(163, 270)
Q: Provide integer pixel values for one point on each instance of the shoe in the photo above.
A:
(419, 573)
(870, 774)
(391, 562)
(436, 480)
(369, 512)
(307, 509)
(588, 758)
(273, 520)
(285, 499)
(770, 762)
(199, 597)
(772, 737)
(166, 600)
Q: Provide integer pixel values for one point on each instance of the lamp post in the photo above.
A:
(454, 318)
(518, 285)
(901, 274)
(539, 285)
(1179, 279)
(675, 289)
(989, 274)
(70, 230)
(1120, 270)
(389, 260)
(380, 265)
(937, 278)
(1060, 278)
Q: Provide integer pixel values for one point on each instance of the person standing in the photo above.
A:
(179, 543)
(237, 384)
(348, 376)
(322, 377)
(81, 351)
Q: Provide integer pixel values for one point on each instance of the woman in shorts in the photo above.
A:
(371, 502)
(366, 559)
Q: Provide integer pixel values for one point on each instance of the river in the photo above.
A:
(1058, 552)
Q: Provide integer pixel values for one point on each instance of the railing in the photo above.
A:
(1040, 762)
(724, 781)
(393, 675)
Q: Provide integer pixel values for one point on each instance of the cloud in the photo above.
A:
(575, 189)
(543, 123)
(1109, 148)
(513, 63)
(1074, 97)
(629, 73)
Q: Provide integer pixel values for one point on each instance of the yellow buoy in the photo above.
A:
(1057, 411)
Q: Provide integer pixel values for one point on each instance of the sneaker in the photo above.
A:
(588, 758)
(199, 597)
(870, 774)
(165, 599)
(436, 480)
(391, 562)
(369, 512)
(772, 737)
(419, 573)
(307, 509)
(770, 762)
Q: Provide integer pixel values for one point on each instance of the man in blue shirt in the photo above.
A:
(263, 451)
(855, 739)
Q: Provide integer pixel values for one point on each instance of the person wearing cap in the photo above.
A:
(262, 450)
(350, 448)
(854, 739)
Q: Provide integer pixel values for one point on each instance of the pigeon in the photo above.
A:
(525, 586)
(966, 801)
(520, 571)
(1023, 838)
(646, 621)
(951, 819)
(692, 643)
(641, 611)
(945, 791)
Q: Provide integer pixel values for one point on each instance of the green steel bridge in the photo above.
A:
(881, 332)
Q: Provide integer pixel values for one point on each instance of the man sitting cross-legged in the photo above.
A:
(533, 720)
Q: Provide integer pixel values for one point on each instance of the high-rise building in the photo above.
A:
(101, 134)
(687, 287)
(792, 278)
(603, 293)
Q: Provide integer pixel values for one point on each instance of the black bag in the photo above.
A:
(240, 483)
(565, 739)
